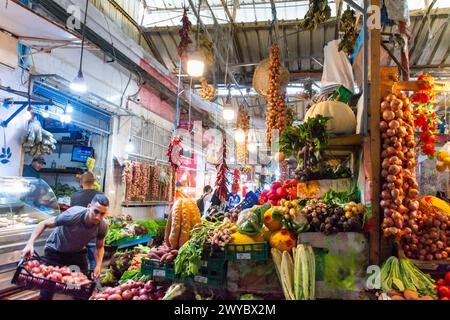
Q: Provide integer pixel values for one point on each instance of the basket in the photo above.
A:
(154, 268)
(261, 78)
(24, 278)
(258, 251)
(214, 276)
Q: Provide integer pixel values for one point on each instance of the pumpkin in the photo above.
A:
(272, 219)
(283, 240)
(343, 120)
(430, 205)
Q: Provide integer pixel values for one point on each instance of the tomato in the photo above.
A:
(440, 282)
(444, 291)
(281, 192)
(293, 193)
(293, 182)
(447, 278)
(273, 202)
(443, 298)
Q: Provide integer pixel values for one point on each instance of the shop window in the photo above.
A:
(149, 139)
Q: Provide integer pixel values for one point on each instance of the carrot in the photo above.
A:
(410, 295)
(397, 297)
(176, 224)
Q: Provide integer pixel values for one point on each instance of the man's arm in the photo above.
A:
(29, 248)
(100, 246)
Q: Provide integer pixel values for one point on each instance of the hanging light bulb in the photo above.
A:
(129, 147)
(239, 136)
(195, 64)
(69, 108)
(66, 118)
(78, 84)
(252, 147)
(45, 113)
(27, 115)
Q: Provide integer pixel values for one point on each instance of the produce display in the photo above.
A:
(400, 193)
(183, 217)
(121, 229)
(279, 191)
(276, 103)
(132, 290)
(162, 254)
(443, 287)
(431, 240)
(296, 272)
(403, 276)
(55, 273)
(37, 141)
(342, 119)
(63, 190)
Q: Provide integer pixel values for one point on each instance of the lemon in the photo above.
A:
(447, 161)
(440, 167)
(442, 155)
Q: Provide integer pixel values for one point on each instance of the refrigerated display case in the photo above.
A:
(24, 202)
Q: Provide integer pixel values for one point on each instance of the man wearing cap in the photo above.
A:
(83, 198)
(32, 170)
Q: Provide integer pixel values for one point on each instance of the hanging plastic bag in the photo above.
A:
(337, 68)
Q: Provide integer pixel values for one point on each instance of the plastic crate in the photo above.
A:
(211, 277)
(257, 251)
(23, 277)
(156, 270)
(132, 241)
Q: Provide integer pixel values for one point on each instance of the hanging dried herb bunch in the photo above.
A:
(347, 26)
(222, 171)
(242, 123)
(184, 34)
(207, 92)
(319, 11)
(206, 48)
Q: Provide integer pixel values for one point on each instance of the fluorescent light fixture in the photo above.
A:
(195, 65)
(27, 115)
(78, 84)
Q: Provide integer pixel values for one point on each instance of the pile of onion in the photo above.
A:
(400, 191)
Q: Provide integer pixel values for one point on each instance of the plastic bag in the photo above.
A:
(337, 68)
(250, 222)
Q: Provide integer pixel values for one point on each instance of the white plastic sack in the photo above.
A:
(397, 10)
(336, 68)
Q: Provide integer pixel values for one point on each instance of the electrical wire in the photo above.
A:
(83, 34)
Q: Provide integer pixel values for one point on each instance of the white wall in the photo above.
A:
(17, 127)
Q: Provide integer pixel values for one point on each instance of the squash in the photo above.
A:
(240, 238)
(433, 205)
(283, 240)
(343, 119)
(272, 219)
(175, 229)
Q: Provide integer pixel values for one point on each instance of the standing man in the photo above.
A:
(75, 227)
(32, 170)
(204, 199)
(82, 199)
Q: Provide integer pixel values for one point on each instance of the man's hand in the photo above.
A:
(28, 250)
(96, 273)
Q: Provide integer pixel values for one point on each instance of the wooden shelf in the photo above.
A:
(346, 141)
(61, 171)
(144, 204)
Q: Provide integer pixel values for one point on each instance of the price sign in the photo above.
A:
(243, 256)
(159, 273)
(201, 279)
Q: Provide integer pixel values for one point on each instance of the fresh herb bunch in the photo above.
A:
(305, 142)
(340, 199)
(347, 26)
(319, 11)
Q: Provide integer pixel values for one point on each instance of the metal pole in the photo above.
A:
(366, 67)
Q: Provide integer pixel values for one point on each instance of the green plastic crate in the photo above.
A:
(152, 268)
(257, 251)
(211, 277)
(213, 260)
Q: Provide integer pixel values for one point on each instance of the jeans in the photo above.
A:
(53, 257)
(91, 249)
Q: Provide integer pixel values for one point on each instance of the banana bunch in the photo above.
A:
(38, 141)
(207, 92)
(90, 163)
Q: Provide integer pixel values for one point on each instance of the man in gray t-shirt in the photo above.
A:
(75, 227)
